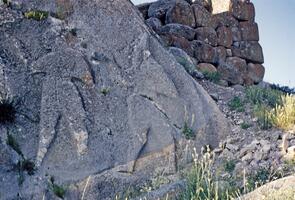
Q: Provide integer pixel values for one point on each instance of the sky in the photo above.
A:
(276, 21)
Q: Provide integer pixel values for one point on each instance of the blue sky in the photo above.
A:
(276, 21)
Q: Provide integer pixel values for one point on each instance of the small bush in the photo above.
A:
(27, 165)
(188, 132)
(258, 178)
(236, 104)
(263, 116)
(36, 15)
(58, 190)
(105, 91)
(212, 76)
(245, 125)
(229, 165)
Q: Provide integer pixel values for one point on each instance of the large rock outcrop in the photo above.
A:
(227, 24)
(100, 103)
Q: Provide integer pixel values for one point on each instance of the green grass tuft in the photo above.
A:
(236, 104)
(188, 132)
(36, 15)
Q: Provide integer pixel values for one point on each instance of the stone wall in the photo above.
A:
(219, 35)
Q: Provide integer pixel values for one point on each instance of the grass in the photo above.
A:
(236, 104)
(215, 77)
(58, 190)
(272, 107)
(202, 183)
(188, 132)
(38, 15)
(283, 116)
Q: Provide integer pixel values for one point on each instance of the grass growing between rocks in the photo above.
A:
(272, 108)
(236, 104)
(38, 15)
(202, 183)
(214, 77)
(58, 190)
(188, 132)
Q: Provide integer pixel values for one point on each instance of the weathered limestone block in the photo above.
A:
(223, 19)
(236, 34)
(206, 34)
(243, 10)
(233, 70)
(249, 50)
(206, 67)
(249, 31)
(202, 16)
(204, 52)
(225, 37)
(255, 73)
(178, 30)
(179, 42)
(159, 8)
(181, 13)
(154, 23)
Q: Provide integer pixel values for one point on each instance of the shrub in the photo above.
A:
(212, 76)
(58, 190)
(229, 165)
(263, 116)
(36, 15)
(105, 91)
(188, 132)
(236, 104)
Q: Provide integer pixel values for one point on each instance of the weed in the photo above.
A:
(202, 183)
(188, 132)
(11, 141)
(258, 178)
(212, 76)
(105, 91)
(236, 104)
(229, 165)
(38, 15)
(58, 190)
(245, 125)
(26, 165)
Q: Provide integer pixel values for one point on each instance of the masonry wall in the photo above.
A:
(221, 36)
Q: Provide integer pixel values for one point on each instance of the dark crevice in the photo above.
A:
(73, 80)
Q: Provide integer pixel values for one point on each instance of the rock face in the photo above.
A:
(102, 102)
(222, 24)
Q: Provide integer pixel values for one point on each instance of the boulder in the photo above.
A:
(159, 8)
(178, 30)
(220, 6)
(144, 9)
(236, 34)
(249, 50)
(186, 61)
(206, 34)
(233, 70)
(249, 31)
(242, 10)
(181, 13)
(154, 23)
(222, 19)
(255, 73)
(106, 110)
(225, 37)
(204, 3)
(206, 67)
(221, 54)
(204, 52)
(179, 42)
(202, 16)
